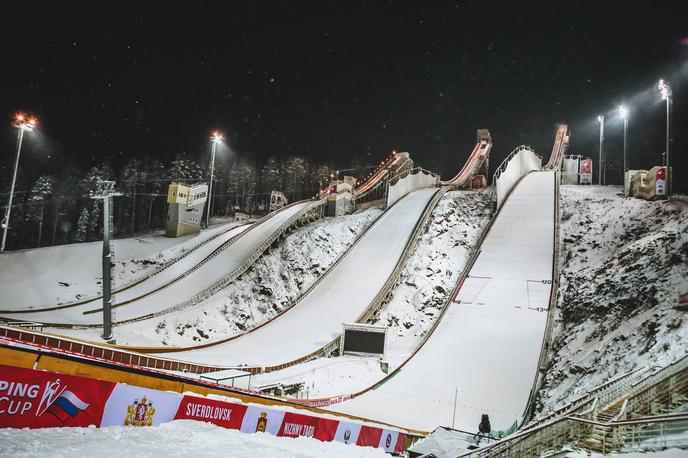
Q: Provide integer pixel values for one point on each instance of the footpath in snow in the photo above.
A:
(435, 265)
(624, 263)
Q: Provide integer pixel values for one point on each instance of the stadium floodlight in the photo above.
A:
(600, 119)
(23, 123)
(623, 112)
(665, 91)
(215, 138)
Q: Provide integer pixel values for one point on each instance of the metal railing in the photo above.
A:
(379, 298)
(573, 424)
(248, 261)
(186, 253)
(506, 160)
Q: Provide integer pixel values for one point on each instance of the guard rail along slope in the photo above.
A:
(195, 284)
(409, 180)
(517, 164)
(639, 410)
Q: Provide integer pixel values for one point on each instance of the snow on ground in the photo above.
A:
(624, 264)
(670, 453)
(67, 273)
(429, 275)
(179, 438)
(265, 289)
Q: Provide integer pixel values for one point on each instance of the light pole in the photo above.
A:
(23, 124)
(215, 138)
(623, 112)
(667, 95)
(600, 119)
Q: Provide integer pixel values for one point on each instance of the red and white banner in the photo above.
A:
(220, 413)
(40, 399)
(660, 182)
(36, 399)
(586, 171)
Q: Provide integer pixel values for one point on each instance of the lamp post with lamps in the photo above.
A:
(665, 91)
(600, 119)
(24, 124)
(215, 138)
(623, 112)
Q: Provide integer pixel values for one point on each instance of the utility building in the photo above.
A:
(185, 208)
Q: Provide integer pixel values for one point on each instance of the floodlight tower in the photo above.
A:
(665, 91)
(215, 138)
(623, 112)
(600, 119)
(23, 124)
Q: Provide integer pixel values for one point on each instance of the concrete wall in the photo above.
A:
(521, 163)
(416, 180)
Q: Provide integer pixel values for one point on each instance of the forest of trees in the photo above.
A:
(55, 208)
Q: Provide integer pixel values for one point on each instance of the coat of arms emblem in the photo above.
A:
(262, 423)
(140, 413)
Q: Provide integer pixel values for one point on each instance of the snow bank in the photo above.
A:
(179, 438)
(624, 264)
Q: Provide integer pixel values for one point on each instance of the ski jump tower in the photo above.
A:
(185, 208)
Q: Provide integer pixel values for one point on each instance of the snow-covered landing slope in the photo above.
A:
(342, 296)
(624, 265)
(67, 273)
(484, 353)
(144, 299)
(260, 293)
(415, 302)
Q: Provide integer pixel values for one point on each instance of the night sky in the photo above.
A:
(334, 81)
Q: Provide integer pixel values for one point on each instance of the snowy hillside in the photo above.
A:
(270, 285)
(434, 266)
(66, 273)
(624, 263)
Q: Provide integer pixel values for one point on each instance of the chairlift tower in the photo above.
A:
(105, 190)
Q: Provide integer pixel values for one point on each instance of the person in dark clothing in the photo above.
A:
(484, 428)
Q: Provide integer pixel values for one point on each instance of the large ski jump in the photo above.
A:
(482, 358)
(182, 281)
(342, 296)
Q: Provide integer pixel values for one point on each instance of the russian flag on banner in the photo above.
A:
(67, 405)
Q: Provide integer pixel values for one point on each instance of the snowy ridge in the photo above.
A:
(140, 301)
(441, 256)
(334, 301)
(504, 295)
(624, 264)
(272, 286)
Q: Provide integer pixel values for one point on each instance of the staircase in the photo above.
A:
(636, 411)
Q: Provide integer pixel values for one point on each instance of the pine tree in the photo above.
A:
(94, 221)
(41, 190)
(270, 176)
(82, 226)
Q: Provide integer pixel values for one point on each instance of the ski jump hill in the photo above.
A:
(482, 355)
